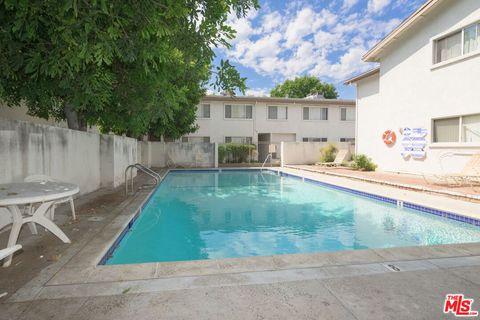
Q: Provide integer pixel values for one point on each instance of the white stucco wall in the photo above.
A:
(307, 152)
(217, 127)
(87, 159)
(410, 93)
(125, 153)
(182, 154)
(68, 155)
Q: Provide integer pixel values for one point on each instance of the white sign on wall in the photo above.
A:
(414, 142)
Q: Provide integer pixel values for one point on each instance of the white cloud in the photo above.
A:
(300, 40)
(258, 92)
(299, 27)
(347, 4)
(377, 6)
(271, 21)
(307, 22)
(243, 28)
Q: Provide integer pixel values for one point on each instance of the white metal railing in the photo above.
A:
(142, 168)
(265, 161)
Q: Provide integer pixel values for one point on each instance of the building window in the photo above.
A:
(446, 130)
(352, 140)
(457, 44)
(347, 114)
(471, 38)
(471, 128)
(310, 113)
(238, 111)
(457, 129)
(314, 139)
(277, 113)
(196, 139)
(203, 111)
(242, 140)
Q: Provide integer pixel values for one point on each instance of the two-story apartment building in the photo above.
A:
(264, 120)
(426, 91)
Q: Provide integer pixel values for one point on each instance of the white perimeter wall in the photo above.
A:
(409, 93)
(87, 159)
(182, 154)
(63, 154)
(307, 152)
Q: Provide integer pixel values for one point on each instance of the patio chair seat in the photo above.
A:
(340, 158)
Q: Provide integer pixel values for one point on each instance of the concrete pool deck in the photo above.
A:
(426, 184)
(391, 283)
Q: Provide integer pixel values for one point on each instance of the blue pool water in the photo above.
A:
(213, 215)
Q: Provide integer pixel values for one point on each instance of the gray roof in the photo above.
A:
(251, 99)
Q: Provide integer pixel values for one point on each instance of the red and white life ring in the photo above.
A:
(389, 137)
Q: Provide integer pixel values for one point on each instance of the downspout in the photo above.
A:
(254, 122)
(356, 119)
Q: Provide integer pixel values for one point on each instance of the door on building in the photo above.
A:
(265, 139)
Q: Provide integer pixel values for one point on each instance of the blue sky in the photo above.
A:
(322, 38)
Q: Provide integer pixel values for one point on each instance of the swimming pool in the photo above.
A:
(197, 215)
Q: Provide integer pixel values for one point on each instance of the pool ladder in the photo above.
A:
(156, 177)
(264, 162)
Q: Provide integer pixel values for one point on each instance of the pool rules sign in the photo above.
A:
(414, 142)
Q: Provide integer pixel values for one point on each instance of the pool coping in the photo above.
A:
(83, 267)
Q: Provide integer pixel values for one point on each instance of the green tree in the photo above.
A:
(131, 67)
(301, 87)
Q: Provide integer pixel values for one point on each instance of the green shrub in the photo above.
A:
(221, 153)
(236, 152)
(328, 153)
(362, 162)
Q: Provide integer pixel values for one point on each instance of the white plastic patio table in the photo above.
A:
(13, 195)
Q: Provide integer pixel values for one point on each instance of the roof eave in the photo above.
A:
(362, 76)
(373, 54)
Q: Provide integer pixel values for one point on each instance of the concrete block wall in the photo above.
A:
(169, 154)
(116, 153)
(307, 152)
(88, 159)
(68, 155)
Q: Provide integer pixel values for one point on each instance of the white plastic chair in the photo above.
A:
(340, 158)
(40, 178)
(9, 251)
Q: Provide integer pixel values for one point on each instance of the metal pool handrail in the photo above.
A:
(268, 156)
(142, 168)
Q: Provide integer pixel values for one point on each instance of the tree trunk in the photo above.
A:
(74, 119)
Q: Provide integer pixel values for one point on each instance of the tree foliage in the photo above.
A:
(131, 67)
(301, 87)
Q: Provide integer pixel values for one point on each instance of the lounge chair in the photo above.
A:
(470, 174)
(340, 158)
(40, 178)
